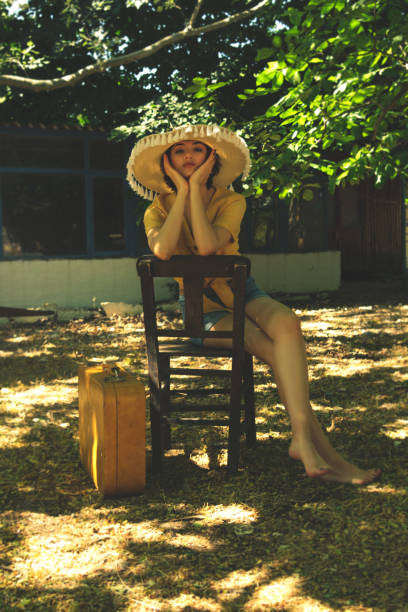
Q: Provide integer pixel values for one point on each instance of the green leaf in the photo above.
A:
(279, 79)
(327, 7)
(277, 41)
(376, 59)
(215, 86)
(268, 74)
(354, 24)
(200, 81)
(358, 98)
(291, 58)
(295, 16)
(264, 54)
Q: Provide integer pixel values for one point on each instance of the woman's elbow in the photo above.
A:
(208, 249)
(206, 252)
(161, 253)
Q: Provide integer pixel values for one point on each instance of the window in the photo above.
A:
(43, 215)
(106, 155)
(108, 214)
(63, 194)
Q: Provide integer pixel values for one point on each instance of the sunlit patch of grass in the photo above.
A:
(232, 513)
(397, 430)
(64, 551)
(267, 539)
(60, 393)
(283, 594)
(236, 582)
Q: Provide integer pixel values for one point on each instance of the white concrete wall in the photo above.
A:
(297, 272)
(71, 283)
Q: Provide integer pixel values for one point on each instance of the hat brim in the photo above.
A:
(144, 172)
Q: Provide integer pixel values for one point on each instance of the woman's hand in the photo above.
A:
(200, 176)
(179, 180)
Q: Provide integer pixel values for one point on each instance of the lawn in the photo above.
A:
(266, 539)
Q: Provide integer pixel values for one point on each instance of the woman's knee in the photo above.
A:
(274, 318)
(283, 321)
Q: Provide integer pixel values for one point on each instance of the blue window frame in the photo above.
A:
(63, 193)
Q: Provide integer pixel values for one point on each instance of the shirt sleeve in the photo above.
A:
(154, 216)
(231, 214)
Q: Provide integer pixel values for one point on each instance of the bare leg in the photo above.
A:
(273, 335)
(277, 354)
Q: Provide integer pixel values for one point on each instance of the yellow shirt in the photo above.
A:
(226, 209)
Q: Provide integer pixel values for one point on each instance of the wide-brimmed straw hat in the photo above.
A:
(146, 177)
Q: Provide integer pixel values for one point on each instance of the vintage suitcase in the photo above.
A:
(112, 425)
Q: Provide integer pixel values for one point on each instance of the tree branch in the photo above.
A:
(194, 14)
(189, 31)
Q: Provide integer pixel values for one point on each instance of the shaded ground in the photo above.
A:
(268, 539)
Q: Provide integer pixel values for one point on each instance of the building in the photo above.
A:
(69, 226)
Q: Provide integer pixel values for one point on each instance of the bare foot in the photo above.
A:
(302, 449)
(340, 469)
(353, 475)
(316, 467)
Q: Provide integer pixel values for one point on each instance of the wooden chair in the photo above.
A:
(164, 408)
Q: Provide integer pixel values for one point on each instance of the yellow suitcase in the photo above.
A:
(112, 426)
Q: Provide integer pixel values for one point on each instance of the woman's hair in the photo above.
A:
(215, 170)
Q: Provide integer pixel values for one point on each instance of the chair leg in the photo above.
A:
(234, 434)
(233, 442)
(250, 429)
(156, 430)
(165, 399)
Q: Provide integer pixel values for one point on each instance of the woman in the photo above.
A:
(189, 169)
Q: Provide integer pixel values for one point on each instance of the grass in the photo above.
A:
(267, 539)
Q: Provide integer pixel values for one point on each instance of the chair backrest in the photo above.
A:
(193, 269)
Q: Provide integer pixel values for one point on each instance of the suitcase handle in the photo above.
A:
(116, 374)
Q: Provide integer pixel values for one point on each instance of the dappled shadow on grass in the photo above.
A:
(361, 390)
(90, 595)
(217, 542)
(266, 537)
(26, 370)
(368, 342)
(196, 539)
(43, 472)
(44, 355)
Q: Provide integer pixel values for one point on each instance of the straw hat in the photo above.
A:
(145, 175)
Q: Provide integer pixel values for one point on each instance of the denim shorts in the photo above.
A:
(252, 292)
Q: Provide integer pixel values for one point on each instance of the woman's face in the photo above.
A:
(188, 155)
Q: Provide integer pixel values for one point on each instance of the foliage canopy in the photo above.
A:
(335, 87)
(118, 53)
(318, 86)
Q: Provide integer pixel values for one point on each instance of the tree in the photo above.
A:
(335, 91)
(57, 56)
